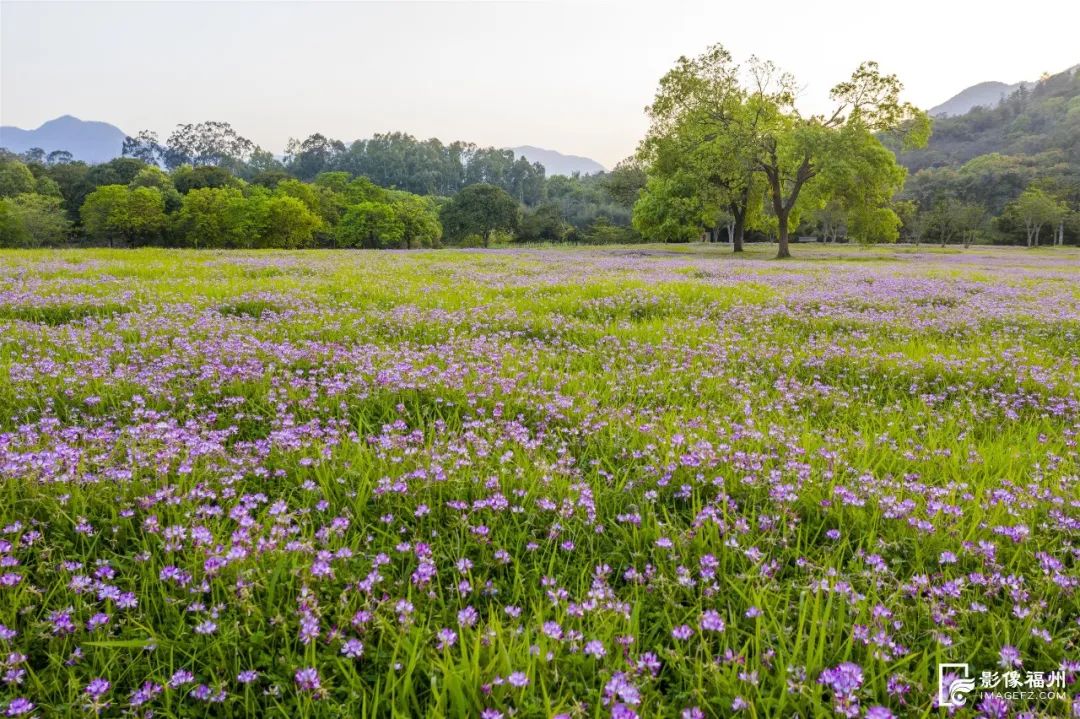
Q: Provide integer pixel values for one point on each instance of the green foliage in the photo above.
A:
(12, 231)
(669, 210)
(479, 210)
(543, 224)
(154, 177)
(15, 178)
(711, 134)
(284, 221)
(215, 217)
(419, 217)
(990, 155)
(1036, 209)
(32, 220)
(371, 225)
(187, 178)
(119, 212)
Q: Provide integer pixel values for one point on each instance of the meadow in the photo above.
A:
(623, 482)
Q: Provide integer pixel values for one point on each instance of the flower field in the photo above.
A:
(645, 482)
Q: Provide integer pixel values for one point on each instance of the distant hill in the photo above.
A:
(1040, 119)
(556, 163)
(985, 94)
(100, 142)
(88, 141)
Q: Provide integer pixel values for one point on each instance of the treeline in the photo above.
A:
(728, 156)
(1003, 174)
(206, 186)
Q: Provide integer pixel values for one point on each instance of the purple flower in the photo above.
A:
(682, 632)
(247, 676)
(353, 648)
(993, 707)
(18, 707)
(518, 679)
(879, 712)
(446, 638)
(307, 679)
(97, 687)
(844, 679)
(180, 677)
(712, 621)
(595, 648)
(1010, 657)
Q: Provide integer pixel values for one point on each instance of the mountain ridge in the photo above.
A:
(89, 140)
(988, 94)
(556, 163)
(94, 141)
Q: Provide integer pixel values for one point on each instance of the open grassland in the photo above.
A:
(648, 481)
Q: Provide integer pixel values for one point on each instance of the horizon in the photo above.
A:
(344, 73)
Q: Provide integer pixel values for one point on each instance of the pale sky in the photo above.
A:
(569, 76)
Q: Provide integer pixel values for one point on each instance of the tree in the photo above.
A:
(543, 224)
(12, 231)
(285, 221)
(115, 211)
(204, 144)
(943, 219)
(59, 157)
(316, 154)
(15, 178)
(625, 183)
(479, 210)
(671, 210)
(841, 151)
(187, 178)
(701, 130)
(869, 225)
(970, 218)
(153, 176)
(419, 218)
(372, 225)
(41, 220)
(215, 217)
(143, 146)
(758, 130)
(1036, 209)
(832, 218)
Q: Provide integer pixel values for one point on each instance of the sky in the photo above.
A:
(569, 76)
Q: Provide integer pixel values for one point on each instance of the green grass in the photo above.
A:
(617, 439)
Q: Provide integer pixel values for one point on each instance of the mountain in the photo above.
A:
(988, 155)
(985, 94)
(87, 141)
(556, 163)
(1038, 118)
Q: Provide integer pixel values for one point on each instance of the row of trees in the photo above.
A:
(727, 148)
(393, 160)
(727, 155)
(226, 193)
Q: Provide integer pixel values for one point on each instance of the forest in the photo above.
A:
(727, 157)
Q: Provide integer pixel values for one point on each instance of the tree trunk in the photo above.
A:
(782, 251)
(1037, 231)
(738, 211)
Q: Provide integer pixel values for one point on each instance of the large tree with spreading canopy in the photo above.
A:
(728, 126)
